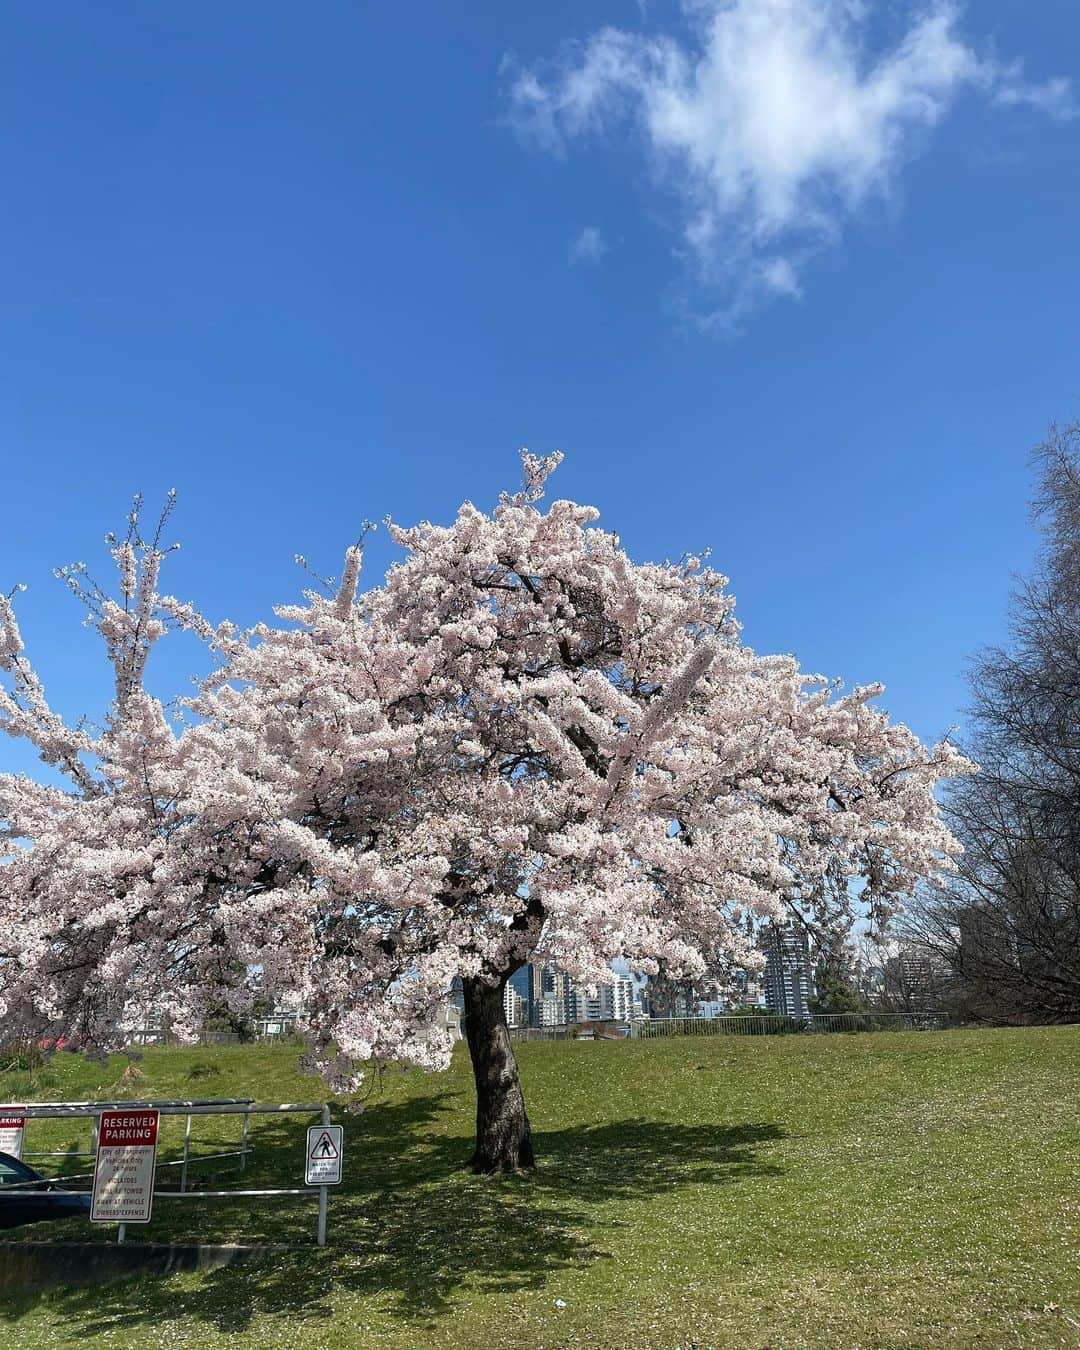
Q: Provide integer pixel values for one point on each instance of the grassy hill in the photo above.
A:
(908, 1189)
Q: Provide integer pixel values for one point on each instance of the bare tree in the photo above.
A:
(1009, 924)
(901, 972)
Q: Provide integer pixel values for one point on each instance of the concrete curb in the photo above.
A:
(29, 1266)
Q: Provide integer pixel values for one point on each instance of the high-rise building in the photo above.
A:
(515, 1007)
(789, 984)
(598, 1006)
(522, 984)
(664, 997)
(550, 997)
(556, 1000)
(550, 1011)
(914, 980)
(622, 998)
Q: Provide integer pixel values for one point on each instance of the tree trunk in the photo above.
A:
(503, 1138)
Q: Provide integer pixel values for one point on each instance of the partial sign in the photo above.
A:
(124, 1171)
(12, 1124)
(324, 1150)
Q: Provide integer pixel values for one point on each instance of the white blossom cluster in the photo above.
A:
(521, 744)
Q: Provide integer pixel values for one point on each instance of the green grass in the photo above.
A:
(907, 1189)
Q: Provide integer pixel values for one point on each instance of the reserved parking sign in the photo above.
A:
(12, 1124)
(124, 1170)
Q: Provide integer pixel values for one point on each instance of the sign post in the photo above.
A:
(12, 1124)
(322, 1166)
(124, 1169)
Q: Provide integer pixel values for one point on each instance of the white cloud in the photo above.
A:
(779, 276)
(589, 246)
(773, 122)
(1053, 97)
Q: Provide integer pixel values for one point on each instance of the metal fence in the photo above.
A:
(156, 1032)
(734, 1025)
(92, 1111)
(770, 1025)
(876, 1021)
(216, 1106)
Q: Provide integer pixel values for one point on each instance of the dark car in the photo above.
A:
(28, 1197)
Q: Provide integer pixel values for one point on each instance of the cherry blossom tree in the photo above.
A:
(522, 745)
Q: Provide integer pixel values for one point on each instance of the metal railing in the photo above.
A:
(775, 1025)
(216, 1106)
(154, 1031)
(726, 1024)
(879, 1021)
(573, 1031)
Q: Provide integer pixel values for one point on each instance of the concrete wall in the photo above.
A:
(44, 1265)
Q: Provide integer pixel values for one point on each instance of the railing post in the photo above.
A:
(187, 1143)
(320, 1236)
(244, 1141)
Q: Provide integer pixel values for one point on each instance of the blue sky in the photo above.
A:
(780, 278)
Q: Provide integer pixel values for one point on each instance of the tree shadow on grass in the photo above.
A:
(411, 1229)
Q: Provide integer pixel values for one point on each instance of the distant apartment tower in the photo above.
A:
(521, 983)
(549, 997)
(592, 1007)
(663, 998)
(622, 999)
(614, 1001)
(788, 981)
(555, 998)
(552, 1011)
(913, 980)
(746, 991)
(515, 1007)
